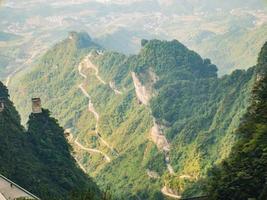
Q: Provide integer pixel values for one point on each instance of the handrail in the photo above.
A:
(24, 190)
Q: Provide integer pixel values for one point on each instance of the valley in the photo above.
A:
(134, 100)
(135, 136)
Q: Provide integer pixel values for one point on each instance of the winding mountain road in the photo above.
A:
(88, 64)
(80, 146)
(113, 87)
(90, 150)
(80, 165)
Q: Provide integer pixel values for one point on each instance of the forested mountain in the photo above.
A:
(145, 125)
(30, 28)
(244, 174)
(236, 49)
(39, 158)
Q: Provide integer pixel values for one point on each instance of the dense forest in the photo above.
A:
(39, 158)
(244, 174)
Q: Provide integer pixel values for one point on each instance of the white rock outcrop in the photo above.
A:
(141, 92)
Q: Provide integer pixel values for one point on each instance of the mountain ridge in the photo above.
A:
(249, 153)
(195, 111)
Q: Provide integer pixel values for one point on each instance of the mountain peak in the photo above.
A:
(81, 39)
(161, 42)
(174, 58)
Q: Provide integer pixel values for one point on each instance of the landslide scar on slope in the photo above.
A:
(144, 92)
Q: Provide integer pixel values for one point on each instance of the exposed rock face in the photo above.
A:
(170, 193)
(259, 77)
(158, 138)
(81, 40)
(141, 91)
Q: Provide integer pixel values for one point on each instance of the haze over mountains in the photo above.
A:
(120, 25)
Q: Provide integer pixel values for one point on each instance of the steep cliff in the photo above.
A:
(243, 174)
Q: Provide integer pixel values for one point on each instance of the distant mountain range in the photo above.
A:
(119, 25)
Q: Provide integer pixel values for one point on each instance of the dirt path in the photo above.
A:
(113, 87)
(80, 146)
(80, 165)
(91, 107)
(166, 192)
(88, 64)
(90, 150)
(84, 91)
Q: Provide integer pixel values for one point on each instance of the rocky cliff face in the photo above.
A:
(141, 91)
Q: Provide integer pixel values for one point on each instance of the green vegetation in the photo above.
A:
(39, 159)
(244, 174)
(53, 152)
(197, 111)
(236, 49)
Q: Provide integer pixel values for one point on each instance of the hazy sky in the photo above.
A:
(162, 2)
(121, 24)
